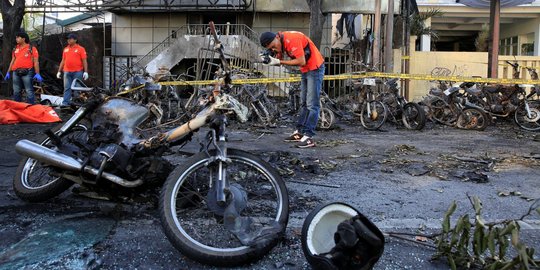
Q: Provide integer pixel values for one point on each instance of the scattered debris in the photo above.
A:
(477, 177)
(421, 238)
(469, 159)
(334, 143)
(417, 169)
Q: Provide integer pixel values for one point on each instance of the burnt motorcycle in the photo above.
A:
(222, 206)
(504, 101)
(411, 114)
(450, 107)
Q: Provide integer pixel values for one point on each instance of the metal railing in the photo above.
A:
(196, 30)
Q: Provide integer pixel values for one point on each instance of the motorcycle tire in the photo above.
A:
(473, 119)
(23, 184)
(192, 222)
(441, 112)
(413, 116)
(374, 118)
(524, 120)
(327, 118)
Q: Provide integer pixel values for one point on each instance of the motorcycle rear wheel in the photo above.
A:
(194, 226)
(35, 181)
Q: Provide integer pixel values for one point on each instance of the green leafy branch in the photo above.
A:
(484, 245)
(418, 26)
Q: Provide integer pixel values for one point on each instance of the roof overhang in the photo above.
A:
(486, 3)
(462, 21)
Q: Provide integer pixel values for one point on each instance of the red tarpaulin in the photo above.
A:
(12, 112)
(485, 3)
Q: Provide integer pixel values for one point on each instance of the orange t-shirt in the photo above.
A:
(23, 57)
(73, 57)
(294, 43)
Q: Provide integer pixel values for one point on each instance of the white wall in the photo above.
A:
(137, 34)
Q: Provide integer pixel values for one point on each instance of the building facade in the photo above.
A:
(459, 27)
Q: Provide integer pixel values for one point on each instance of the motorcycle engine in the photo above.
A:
(497, 108)
(510, 107)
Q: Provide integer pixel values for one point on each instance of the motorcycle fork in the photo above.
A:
(77, 116)
(219, 140)
(527, 109)
(369, 98)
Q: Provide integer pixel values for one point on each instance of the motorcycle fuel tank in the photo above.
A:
(124, 113)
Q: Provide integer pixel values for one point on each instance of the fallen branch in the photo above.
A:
(314, 184)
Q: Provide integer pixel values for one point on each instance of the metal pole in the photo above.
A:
(493, 52)
(389, 38)
(406, 65)
(377, 34)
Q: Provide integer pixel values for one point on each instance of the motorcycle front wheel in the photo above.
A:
(35, 181)
(327, 118)
(373, 115)
(193, 221)
(413, 116)
(472, 118)
(528, 121)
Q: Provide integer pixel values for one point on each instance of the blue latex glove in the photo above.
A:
(38, 78)
(8, 75)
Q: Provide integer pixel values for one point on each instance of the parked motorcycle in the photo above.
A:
(411, 114)
(450, 107)
(504, 101)
(223, 206)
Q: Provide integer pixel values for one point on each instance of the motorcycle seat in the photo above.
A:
(491, 89)
(436, 92)
(473, 91)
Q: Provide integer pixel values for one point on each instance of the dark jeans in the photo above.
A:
(310, 91)
(23, 82)
(69, 77)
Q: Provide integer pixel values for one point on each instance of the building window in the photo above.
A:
(509, 46)
(527, 49)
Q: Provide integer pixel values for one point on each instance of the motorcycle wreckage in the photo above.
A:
(222, 206)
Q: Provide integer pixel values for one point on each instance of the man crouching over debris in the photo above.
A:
(303, 53)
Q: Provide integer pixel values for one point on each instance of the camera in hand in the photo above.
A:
(266, 55)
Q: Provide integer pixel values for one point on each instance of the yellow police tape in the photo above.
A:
(353, 76)
(130, 90)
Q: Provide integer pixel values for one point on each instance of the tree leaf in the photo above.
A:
(477, 240)
(524, 257)
(465, 235)
(446, 219)
(491, 242)
(503, 246)
(515, 237)
(477, 205)
(452, 262)
(508, 228)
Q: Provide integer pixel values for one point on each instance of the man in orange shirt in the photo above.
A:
(303, 53)
(25, 67)
(74, 66)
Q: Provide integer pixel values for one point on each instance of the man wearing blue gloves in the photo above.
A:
(25, 66)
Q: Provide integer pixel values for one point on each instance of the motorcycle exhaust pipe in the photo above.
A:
(59, 160)
(48, 156)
